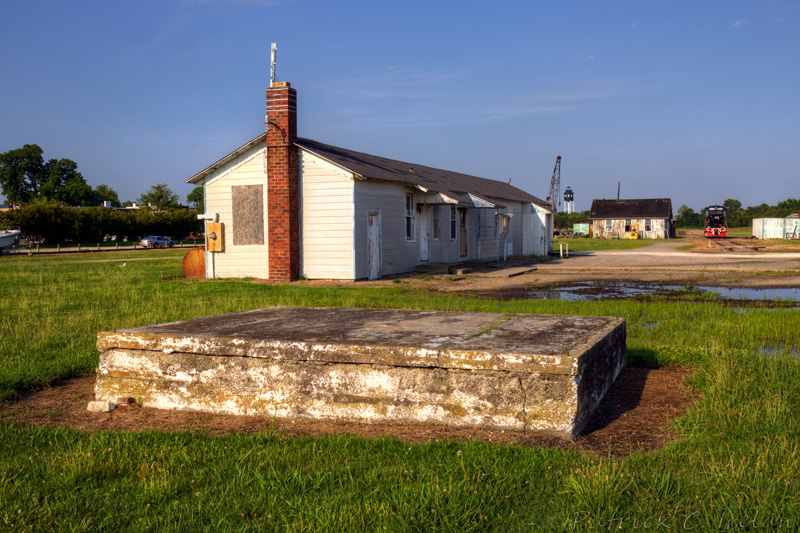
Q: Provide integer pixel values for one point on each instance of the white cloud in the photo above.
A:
(635, 25)
(738, 24)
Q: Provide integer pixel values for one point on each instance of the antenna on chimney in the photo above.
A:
(272, 78)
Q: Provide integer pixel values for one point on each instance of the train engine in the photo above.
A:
(716, 221)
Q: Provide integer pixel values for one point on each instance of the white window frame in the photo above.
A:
(609, 224)
(648, 224)
(410, 229)
(453, 223)
(436, 229)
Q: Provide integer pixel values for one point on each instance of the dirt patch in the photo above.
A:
(635, 415)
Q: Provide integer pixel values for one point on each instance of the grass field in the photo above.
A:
(582, 245)
(735, 464)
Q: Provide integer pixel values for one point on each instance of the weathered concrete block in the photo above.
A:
(543, 373)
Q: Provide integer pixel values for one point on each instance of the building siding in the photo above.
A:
(237, 261)
(445, 250)
(326, 220)
(537, 235)
(397, 254)
(659, 228)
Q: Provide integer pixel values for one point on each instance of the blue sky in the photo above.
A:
(697, 100)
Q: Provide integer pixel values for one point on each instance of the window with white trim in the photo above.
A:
(609, 224)
(647, 224)
(409, 217)
(453, 223)
(435, 222)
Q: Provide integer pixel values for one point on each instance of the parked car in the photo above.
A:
(155, 241)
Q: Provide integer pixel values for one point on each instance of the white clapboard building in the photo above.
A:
(291, 207)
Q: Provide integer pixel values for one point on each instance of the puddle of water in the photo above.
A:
(778, 351)
(737, 293)
(594, 290)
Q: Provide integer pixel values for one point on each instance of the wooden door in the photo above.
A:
(462, 236)
(424, 234)
(374, 246)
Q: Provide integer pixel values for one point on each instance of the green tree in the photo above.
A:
(26, 178)
(160, 198)
(21, 172)
(687, 218)
(107, 194)
(736, 218)
(197, 197)
(566, 220)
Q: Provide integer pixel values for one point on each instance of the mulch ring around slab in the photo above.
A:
(635, 415)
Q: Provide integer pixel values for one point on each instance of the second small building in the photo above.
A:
(649, 218)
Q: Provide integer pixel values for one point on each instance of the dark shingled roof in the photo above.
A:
(646, 208)
(452, 184)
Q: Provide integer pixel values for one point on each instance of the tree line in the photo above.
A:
(50, 222)
(738, 217)
(49, 195)
(686, 217)
(26, 178)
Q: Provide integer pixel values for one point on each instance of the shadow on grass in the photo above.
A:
(625, 394)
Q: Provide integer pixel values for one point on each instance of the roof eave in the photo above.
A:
(197, 178)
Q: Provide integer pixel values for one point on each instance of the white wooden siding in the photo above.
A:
(238, 261)
(536, 232)
(659, 228)
(446, 249)
(397, 254)
(326, 220)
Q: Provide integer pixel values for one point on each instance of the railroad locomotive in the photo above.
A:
(716, 221)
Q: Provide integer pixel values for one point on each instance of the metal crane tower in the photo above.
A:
(555, 186)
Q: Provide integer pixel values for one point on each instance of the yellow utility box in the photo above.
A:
(214, 238)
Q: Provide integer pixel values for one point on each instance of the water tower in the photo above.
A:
(569, 202)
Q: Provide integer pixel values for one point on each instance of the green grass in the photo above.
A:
(737, 457)
(582, 245)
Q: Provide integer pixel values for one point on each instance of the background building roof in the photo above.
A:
(643, 208)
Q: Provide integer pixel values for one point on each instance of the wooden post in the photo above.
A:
(98, 246)
(117, 245)
(58, 247)
(79, 247)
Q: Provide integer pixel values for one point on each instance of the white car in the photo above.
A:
(155, 241)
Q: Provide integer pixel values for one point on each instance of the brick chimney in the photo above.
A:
(283, 217)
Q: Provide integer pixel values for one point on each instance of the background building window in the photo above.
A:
(409, 217)
(436, 223)
(609, 224)
(453, 224)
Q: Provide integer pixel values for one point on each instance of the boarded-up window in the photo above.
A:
(248, 214)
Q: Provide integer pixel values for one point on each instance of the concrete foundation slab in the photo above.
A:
(543, 373)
